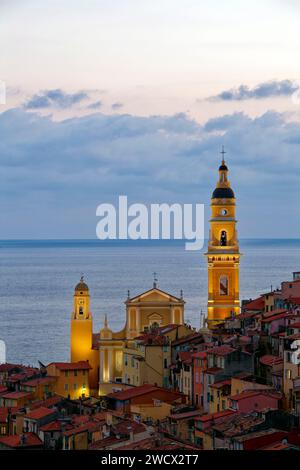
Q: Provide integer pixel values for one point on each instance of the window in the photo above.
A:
(66, 387)
(74, 386)
(75, 373)
(288, 373)
(197, 377)
(66, 373)
(83, 372)
(223, 285)
(223, 238)
(132, 362)
(165, 363)
(80, 311)
(3, 430)
(126, 359)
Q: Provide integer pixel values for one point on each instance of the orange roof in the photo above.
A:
(55, 426)
(39, 413)
(38, 381)
(186, 415)
(223, 350)
(80, 365)
(221, 384)
(212, 416)
(139, 391)
(31, 440)
(15, 395)
(253, 393)
(256, 304)
(269, 360)
(295, 325)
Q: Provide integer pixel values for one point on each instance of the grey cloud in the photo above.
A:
(95, 105)
(116, 106)
(55, 98)
(49, 169)
(263, 90)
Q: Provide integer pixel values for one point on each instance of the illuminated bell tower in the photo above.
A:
(223, 255)
(81, 324)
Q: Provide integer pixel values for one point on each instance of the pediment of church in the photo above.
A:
(155, 295)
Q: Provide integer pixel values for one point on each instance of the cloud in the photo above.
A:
(117, 106)
(263, 90)
(53, 174)
(55, 98)
(95, 105)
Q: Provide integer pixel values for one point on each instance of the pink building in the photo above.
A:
(254, 400)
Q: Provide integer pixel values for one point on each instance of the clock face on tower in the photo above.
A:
(223, 211)
(80, 302)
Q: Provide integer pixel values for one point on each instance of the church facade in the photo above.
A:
(106, 349)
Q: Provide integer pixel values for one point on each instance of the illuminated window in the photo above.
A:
(223, 285)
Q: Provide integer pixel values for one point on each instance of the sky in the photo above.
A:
(136, 98)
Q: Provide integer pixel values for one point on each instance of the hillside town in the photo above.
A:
(235, 386)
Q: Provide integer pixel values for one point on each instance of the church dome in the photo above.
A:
(81, 286)
(223, 193)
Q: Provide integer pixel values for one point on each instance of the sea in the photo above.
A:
(37, 280)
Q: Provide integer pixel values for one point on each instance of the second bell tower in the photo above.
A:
(223, 255)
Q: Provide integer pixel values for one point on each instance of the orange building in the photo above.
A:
(72, 378)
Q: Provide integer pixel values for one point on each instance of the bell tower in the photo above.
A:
(81, 324)
(223, 255)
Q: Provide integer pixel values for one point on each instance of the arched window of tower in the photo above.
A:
(223, 285)
(223, 238)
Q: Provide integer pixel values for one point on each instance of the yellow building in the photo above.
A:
(223, 255)
(105, 350)
(72, 378)
(147, 359)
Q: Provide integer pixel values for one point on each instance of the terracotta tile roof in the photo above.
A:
(142, 390)
(39, 413)
(293, 337)
(31, 440)
(221, 384)
(237, 424)
(193, 337)
(127, 426)
(56, 426)
(278, 316)
(253, 393)
(90, 426)
(213, 370)
(7, 367)
(80, 365)
(38, 381)
(256, 304)
(214, 416)
(221, 350)
(186, 415)
(48, 402)
(295, 325)
(152, 339)
(269, 360)
(16, 395)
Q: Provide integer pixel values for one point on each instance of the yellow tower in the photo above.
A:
(82, 332)
(223, 255)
